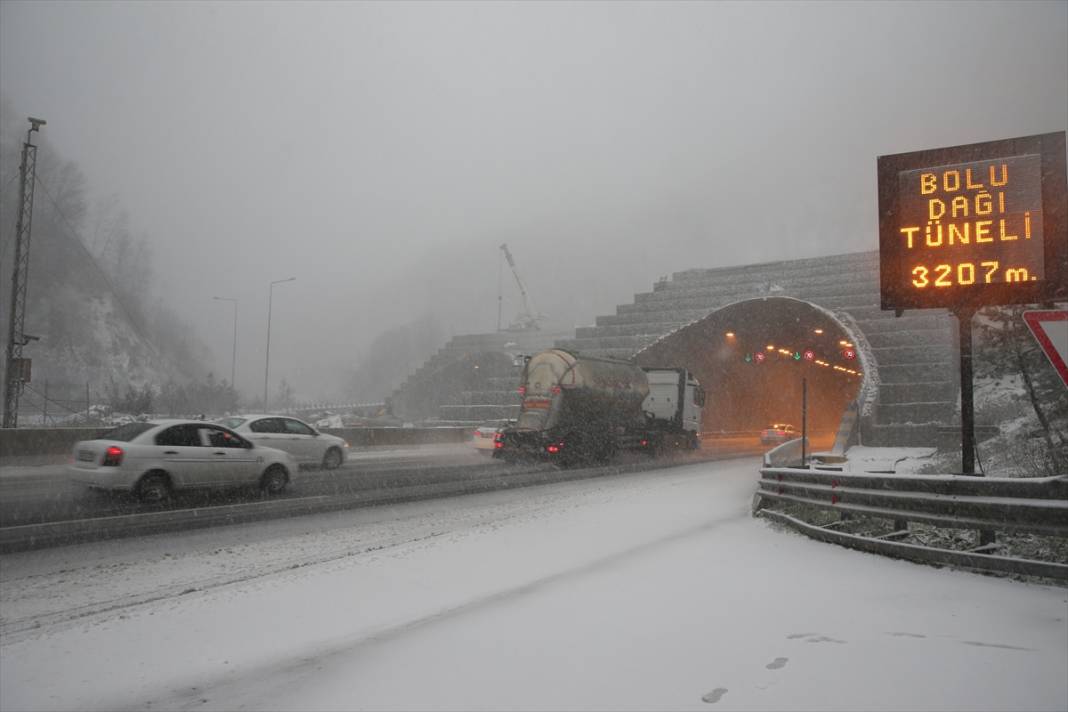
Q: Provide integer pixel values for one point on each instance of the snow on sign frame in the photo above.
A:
(975, 225)
(1050, 329)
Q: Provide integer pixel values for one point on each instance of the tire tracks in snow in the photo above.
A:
(366, 539)
(285, 672)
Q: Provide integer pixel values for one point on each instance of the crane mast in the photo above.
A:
(529, 318)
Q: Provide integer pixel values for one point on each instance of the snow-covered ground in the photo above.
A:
(648, 591)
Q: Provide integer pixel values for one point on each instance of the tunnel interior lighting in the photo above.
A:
(770, 347)
(817, 331)
(730, 334)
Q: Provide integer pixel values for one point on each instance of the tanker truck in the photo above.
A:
(580, 409)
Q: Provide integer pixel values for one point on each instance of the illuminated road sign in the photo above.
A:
(759, 357)
(849, 354)
(974, 225)
(810, 355)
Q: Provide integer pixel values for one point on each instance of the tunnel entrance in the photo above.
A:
(751, 357)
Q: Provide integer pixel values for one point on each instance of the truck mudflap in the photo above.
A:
(569, 449)
(515, 445)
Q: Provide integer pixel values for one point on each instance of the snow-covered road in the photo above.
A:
(655, 590)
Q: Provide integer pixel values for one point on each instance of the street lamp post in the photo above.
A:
(233, 356)
(267, 367)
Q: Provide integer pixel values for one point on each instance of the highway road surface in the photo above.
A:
(652, 590)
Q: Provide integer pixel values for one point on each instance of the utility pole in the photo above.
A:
(267, 365)
(233, 356)
(15, 371)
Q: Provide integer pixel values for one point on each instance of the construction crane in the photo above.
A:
(529, 318)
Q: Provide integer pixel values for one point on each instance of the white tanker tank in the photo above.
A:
(580, 408)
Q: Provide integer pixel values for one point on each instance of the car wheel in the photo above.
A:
(274, 480)
(332, 459)
(155, 487)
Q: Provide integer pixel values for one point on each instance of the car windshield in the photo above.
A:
(231, 422)
(126, 433)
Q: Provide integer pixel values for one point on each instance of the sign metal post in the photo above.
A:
(804, 419)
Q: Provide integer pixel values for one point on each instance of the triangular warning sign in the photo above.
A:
(1051, 331)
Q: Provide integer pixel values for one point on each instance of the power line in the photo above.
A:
(4, 242)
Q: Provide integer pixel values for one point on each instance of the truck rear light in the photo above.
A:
(112, 456)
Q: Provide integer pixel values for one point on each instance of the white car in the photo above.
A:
(778, 433)
(152, 459)
(306, 444)
(484, 437)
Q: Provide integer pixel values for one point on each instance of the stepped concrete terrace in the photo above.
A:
(911, 382)
(471, 379)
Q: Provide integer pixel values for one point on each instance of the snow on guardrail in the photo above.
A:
(1007, 505)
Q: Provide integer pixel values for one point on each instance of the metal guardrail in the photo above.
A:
(786, 455)
(1010, 505)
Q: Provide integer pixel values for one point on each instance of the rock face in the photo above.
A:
(90, 351)
(910, 360)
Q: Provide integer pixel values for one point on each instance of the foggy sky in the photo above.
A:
(380, 153)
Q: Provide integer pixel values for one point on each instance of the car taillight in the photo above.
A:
(112, 456)
(644, 443)
(554, 390)
(497, 444)
(554, 448)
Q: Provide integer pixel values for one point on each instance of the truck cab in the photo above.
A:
(675, 402)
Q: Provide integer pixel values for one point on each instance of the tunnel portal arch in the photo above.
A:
(745, 395)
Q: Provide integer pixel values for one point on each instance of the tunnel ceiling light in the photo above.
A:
(730, 334)
(770, 347)
(817, 331)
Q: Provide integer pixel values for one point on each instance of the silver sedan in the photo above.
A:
(307, 445)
